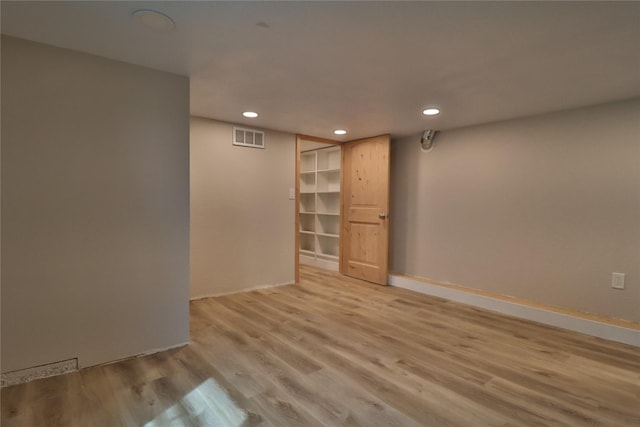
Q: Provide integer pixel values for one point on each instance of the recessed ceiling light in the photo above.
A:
(250, 114)
(154, 20)
(340, 132)
(431, 112)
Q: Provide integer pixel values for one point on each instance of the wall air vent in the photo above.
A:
(248, 137)
(43, 371)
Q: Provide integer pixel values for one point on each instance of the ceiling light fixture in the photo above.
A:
(154, 20)
(431, 112)
(340, 132)
(250, 114)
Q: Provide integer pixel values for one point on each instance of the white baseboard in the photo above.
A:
(561, 320)
(221, 294)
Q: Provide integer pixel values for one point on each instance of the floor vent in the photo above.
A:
(248, 137)
(43, 371)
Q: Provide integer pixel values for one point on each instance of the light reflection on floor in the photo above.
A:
(206, 405)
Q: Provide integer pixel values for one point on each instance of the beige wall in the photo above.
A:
(544, 208)
(242, 222)
(95, 207)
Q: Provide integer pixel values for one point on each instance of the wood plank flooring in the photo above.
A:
(339, 352)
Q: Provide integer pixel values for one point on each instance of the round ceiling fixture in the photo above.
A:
(154, 20)
(431, 112)
(340, 132)
(250, 114)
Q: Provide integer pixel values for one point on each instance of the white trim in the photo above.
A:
(221, 294)
(561, 320)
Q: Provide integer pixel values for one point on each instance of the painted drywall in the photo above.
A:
(242, 221)
(543, 208)
(95, 207)
(312, 145)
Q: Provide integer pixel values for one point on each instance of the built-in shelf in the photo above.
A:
(328, 257)
(320, 207)
(324, 234)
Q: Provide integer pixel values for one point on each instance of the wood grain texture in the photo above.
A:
(336, 351)
(365, 202)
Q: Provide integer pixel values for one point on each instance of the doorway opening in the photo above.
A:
(342, 206)
(318, 203)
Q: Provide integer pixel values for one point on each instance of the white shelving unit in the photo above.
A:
(320, 207)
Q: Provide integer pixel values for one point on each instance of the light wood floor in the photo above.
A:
(338, 352)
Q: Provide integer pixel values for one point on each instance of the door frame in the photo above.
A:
(299, 138)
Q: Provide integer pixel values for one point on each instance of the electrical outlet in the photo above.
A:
(617, 280)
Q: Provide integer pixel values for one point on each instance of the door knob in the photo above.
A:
(382, 215)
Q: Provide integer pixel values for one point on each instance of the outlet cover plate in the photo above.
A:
(617, 280)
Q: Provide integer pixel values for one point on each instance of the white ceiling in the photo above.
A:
(368, 67)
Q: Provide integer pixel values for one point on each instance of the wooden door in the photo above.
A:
(365, 201)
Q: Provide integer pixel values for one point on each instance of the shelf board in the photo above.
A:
(329, 170)
(307, 252)
(307, 213)
(327, 256)
(306, 172)
(328, 213)
(337, 236)
(307, 192)
(329, 192)
(307, 232)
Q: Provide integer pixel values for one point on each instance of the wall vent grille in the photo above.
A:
(35, 373)
(248, 137)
